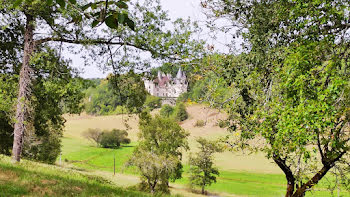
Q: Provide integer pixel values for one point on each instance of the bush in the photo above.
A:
(153, 102)
(200, 123)
(107, 139)
(223, 124)
(43, 148)
(166, 111)
(92, 135)
(6, 131)
(183, 97)
(180, 112)
(113, 139)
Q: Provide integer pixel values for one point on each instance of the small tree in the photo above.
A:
(202, 171)
(159, 151)
(180, 112)
(154, 168)
(166, 111)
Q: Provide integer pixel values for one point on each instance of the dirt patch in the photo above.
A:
(41, 191)
(48, 182)
(78, 189)
(6, 176)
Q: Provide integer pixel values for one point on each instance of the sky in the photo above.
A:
(176, 9)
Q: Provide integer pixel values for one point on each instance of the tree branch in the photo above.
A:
(98, 41)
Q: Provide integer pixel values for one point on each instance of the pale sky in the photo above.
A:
(176, 9)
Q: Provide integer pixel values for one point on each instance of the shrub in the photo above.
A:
(223, 124)
(180, 112)
(92, 135)
(200, 123)
(43, 148)
(113, 139)
(107, 139)
(153, 102)
(183, 97)
(166, 110)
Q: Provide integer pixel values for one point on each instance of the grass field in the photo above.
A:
(241, 174)
(34, 179)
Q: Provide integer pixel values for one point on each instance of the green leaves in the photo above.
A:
(17, 3)
(113, 17)
(122, 4)
(112, 22)
(62, 3)
(130, 23)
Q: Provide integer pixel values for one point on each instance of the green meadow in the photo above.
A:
(240, 174)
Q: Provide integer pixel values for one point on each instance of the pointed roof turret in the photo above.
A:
(179, 74)
(159, 75)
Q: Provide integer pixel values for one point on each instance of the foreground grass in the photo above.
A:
(33, 179)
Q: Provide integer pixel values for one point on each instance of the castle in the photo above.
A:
(166, 86)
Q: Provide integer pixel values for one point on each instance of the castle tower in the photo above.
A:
(159, 75)
(179, 74)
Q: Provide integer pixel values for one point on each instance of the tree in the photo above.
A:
(159, 138)
(57, 90)
(69, 22)
(153, 102)
(180, 112)
(154, 168)
(122, 91)
(202, 171)
(166, 110)
(291, 85)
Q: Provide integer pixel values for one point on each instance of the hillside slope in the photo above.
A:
(35, 179)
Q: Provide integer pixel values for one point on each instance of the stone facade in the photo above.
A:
(167, 86)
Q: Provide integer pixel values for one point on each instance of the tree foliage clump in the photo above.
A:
(202, 170)
(290, 87)
(177, 113)
(167, 111)
(180, 113)
(153, 102)
(118, 94)
(57, 90)
(114, 138)
(208, 86)
(107, 139)
(158, 155)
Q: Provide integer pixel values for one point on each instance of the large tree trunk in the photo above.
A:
(314, 180)
(288, 172)
(24, 92)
